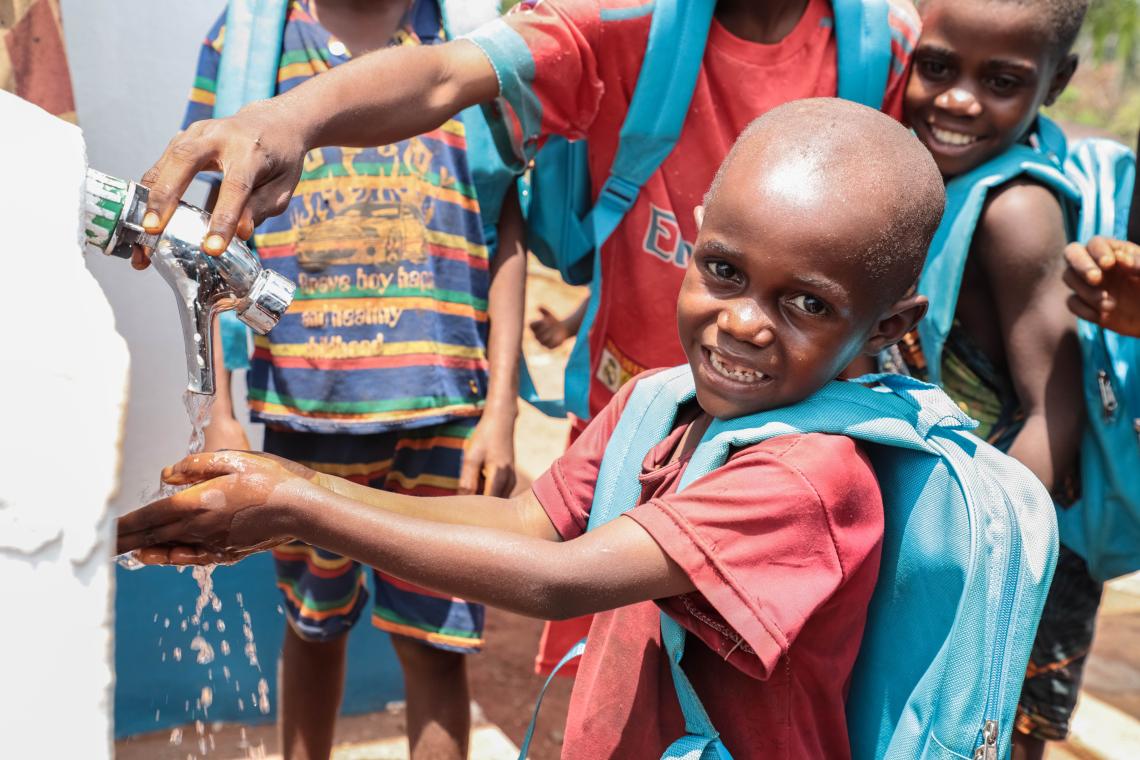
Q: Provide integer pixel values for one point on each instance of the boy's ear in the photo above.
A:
(899, 320)
(1061, 77)
(699, 216)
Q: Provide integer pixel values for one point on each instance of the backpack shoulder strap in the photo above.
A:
(251, 53)
(863, 44)
(941, 277)
(673, 55)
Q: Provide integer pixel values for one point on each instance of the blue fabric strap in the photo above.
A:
(701, 740)
(863, 47)
(529, 393)
(573, 653)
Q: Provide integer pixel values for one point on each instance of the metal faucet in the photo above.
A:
(203, 285)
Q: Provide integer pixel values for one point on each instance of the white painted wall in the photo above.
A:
(59, 451)
(132, 65)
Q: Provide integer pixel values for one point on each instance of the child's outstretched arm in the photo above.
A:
(1020, 241)
(380, 98)
(500, 552)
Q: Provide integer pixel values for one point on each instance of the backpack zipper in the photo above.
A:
(987, 750)
(1108, 402)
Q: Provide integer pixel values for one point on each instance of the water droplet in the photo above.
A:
(176, 737)
(177, 654)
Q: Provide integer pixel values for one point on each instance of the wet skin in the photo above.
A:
(981, 71)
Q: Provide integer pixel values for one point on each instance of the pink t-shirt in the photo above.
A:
(569, 67)
(782, 543)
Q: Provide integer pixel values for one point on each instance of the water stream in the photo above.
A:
(198, 410)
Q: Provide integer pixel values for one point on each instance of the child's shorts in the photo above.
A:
(325, 593)
(1057, 661)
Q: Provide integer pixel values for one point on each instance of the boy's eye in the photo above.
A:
(933, 69)
(809, 304)
(721, 270)
(1003, 84)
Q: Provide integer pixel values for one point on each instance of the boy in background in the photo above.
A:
(788, 282)
(384, 371)
(982, 70)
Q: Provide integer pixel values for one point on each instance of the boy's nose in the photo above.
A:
(958, 101)
(747, 323)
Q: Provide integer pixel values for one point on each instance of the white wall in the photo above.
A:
(132, 65)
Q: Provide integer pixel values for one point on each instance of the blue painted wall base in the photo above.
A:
(155, 690)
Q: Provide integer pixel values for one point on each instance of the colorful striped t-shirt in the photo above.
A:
(388, 328)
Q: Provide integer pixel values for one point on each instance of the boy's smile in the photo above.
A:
(981, 71)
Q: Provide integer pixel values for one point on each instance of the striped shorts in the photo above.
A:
(325, 593)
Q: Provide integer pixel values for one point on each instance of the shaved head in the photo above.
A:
(828, 163)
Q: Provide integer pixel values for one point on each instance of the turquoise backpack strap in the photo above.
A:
(941, 278)
(863, 44)
(247, 72)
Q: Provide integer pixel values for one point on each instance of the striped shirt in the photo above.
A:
(388, 329)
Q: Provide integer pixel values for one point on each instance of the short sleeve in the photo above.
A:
(205, 87)
(905, 28)
(543, 54)
(768, 539)
(566, 490)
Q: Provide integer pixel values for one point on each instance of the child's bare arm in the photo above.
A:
(380, 98)
(244, 501)
(1020, 241)
(489, 457)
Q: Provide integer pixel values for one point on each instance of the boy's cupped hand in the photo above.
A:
(1104, 276)
(234, 506)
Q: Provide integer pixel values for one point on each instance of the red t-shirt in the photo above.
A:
(569, 67)
(782, 543)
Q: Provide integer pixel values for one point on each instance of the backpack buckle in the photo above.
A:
(1108, 402)
(619, 192)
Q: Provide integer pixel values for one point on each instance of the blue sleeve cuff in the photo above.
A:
(514, 67)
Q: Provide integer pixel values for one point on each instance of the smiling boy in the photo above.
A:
(815, 231)
(982, 70)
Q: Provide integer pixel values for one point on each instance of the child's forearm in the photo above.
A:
(574, 321)
(391, 94)
(616, 565)
(505, 312)
(521, 514)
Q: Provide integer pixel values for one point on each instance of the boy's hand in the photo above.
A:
(489, 458)
(235, 505)
(549, 330)
(1105, 280)
(260, 155)
(225, 433)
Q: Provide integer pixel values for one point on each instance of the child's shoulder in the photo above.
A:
(834, 467)
(1022, 223)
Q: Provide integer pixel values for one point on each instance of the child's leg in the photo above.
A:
(1057, 662)
(310, 682)
(323, 596)
(431, 632)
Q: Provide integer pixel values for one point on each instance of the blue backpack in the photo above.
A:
(247, 72)
(564, 229)
(1093, 180)
(969, 547)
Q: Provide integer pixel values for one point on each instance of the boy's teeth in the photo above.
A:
(952, 138)
(733, 373)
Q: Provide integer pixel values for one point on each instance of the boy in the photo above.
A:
(816, 228)
(982, 70)
(564, 67)
(380, 371)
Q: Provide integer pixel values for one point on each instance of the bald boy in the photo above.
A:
(814, 234)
